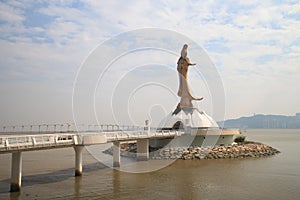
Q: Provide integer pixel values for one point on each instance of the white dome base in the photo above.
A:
(198, 127)
(191, 117)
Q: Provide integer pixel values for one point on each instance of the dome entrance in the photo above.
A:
(178, 126)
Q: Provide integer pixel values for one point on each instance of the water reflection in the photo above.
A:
(15, 196)
(261, 178)
(116, 184)
(77, 186)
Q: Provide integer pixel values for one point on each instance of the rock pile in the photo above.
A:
(217, 152)
(126, 150)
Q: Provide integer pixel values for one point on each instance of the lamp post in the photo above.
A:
(68, 127)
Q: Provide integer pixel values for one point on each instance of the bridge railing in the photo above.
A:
(167, 133)
(26, 142)
(126, 134)
(15, 142)
(140, 134)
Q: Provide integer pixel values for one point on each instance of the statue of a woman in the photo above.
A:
(184, 90)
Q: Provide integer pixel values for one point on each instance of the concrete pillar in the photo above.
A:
(33, 140)
(142, 149)
(16, 172)
(116, 154)
(78, 160)
(147, 127)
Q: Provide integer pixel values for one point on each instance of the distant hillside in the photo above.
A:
(263, 122)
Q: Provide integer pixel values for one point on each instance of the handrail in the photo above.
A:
(21, 142)
(31, 141)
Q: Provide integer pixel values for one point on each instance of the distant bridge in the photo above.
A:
(66, 127)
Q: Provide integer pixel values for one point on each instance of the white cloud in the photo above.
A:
(10, 14)
(260, 40)
(293, 9)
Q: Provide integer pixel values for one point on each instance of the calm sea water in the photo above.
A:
(49, 175)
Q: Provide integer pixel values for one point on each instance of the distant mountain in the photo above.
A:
(260, 121)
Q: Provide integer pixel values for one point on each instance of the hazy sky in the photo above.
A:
(254, 45)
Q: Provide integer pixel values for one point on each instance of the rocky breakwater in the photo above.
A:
(217, 152)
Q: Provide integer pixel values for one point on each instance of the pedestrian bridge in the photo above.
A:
(30, 142)
(16, 139)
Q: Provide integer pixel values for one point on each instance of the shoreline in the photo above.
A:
(244, 150)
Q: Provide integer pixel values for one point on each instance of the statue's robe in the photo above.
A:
(184, 90)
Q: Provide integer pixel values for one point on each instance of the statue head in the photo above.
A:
(185, 46)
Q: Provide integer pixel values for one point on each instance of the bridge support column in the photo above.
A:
(116, 154)
(142, 149)
(78, 160)
(16, 172)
